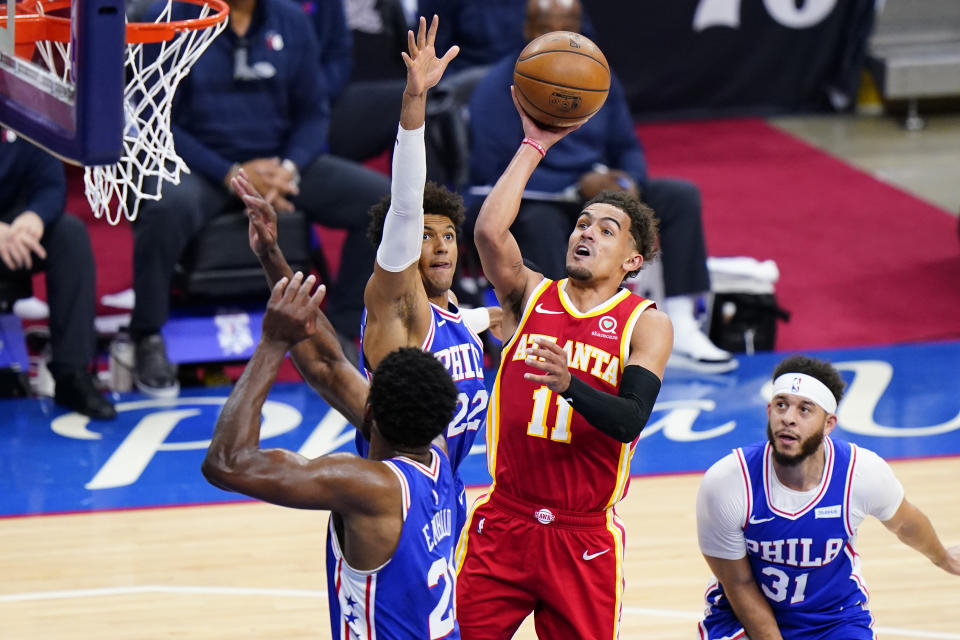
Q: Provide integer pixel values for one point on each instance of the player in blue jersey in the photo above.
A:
(391, 538)
(408, 298)
(777, 521)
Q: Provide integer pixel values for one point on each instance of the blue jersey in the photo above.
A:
(411, 596)
(803, 562)
(461, 352)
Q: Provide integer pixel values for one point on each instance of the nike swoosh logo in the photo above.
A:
(540, 309)
(440, 323)
(760, 521)
(591, 556)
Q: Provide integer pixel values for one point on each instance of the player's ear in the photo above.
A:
(634, 262)
(831, 423)
(367, 425)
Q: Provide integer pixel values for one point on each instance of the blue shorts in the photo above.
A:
(853, 623)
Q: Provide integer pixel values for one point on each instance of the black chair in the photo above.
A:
(447, 133)
(218, 264)
(12, 290)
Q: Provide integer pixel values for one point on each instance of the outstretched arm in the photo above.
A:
(914, 529)
(320, 358)
(235, 462)
(499, 253)
(397, 310)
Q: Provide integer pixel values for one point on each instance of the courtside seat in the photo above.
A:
(219, 265)
(914, 52)
(12, 290)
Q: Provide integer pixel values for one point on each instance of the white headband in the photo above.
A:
(800, 384)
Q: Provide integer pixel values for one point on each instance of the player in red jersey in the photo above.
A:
(577, 382)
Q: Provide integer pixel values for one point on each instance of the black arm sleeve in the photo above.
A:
(623, 416)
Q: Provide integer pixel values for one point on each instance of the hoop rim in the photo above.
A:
(36, 26)
(142, 32)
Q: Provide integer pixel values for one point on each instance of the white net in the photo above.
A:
(148, 158)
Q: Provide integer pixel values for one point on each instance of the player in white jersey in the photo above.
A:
(391, 525)
(777, 521)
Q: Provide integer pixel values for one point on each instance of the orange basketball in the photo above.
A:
(561, 78)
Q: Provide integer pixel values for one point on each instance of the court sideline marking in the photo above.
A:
(313, 593)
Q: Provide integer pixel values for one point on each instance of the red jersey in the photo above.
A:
(538, 448)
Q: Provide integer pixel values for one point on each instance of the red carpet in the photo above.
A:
(861, 262)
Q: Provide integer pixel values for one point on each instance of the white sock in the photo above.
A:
(680, 309)
(688, 337)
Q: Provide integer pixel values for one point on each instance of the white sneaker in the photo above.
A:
(693, 351)
(31, 308)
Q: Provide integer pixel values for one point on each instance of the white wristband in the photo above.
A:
(477, 319)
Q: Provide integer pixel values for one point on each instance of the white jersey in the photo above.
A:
(722, 501)
(800, 544)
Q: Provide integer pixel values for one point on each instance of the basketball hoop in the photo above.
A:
(148, 157)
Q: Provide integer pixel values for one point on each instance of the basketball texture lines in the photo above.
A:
(561, 79)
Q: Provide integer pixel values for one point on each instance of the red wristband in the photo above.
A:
(536, 145)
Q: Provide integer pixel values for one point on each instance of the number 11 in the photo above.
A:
(537, 426)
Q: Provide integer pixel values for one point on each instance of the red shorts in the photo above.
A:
(515, 558)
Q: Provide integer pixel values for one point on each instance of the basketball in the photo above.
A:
(561, 79)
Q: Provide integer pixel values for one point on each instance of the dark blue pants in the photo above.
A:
(71, 291)
(334, 193)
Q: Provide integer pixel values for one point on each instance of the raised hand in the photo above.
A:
(424, 68)
(293, 313)
(552, 360)
(546, 136)
(262, 230)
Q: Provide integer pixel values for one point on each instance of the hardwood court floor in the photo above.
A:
(251, 570)
(925, 163)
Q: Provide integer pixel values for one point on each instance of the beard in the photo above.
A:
(807, 448)
(579, 273)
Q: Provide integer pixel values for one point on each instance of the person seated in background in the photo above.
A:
(36, 235)
(603, 154)
(256, 99)
(485, 31)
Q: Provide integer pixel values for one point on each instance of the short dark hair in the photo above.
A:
(643, 221)
(437, 200)
(819, 369)
(412, 397)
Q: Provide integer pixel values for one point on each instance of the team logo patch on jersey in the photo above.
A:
(545, 516)
(608, 328)
(827, 512)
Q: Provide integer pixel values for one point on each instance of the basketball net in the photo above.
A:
(148, 158)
